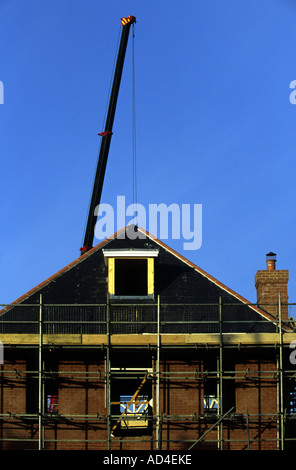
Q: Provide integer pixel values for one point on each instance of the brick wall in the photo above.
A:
(256, 394)
(181, 393)
(81, 391)
(13, 384)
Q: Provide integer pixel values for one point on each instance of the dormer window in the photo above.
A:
(131, 277)
(131, 273)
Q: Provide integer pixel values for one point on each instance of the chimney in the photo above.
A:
(269, 284)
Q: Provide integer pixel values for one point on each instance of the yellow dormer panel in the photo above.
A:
(111, 276)
(150, 276)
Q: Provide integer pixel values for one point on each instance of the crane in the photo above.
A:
(106, 135)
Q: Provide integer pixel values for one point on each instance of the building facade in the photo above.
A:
(133, 347)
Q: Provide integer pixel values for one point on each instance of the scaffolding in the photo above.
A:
(209, 424)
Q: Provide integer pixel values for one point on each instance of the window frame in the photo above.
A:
(132, 254)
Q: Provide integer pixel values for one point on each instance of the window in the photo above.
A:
(32, 396)
(50, 390)
(211, 398)
(52, 404)
(211, 403)
(131, 401)
(217, 400)
(51, 384)
(131, 273)
(292, 397)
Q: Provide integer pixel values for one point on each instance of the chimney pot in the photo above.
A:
(270, 261)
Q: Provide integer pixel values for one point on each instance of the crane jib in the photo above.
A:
(106, 135)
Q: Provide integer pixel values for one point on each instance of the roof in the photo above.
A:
(251, 312)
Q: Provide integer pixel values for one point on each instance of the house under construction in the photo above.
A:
(133, 347)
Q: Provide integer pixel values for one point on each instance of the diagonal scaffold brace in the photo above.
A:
(211, 428)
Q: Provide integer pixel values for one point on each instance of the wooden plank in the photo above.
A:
(94, 339)
(241, 338)
(133, 339)
(34, 339)
(140, 339)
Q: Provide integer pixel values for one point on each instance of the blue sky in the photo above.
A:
(215, 126)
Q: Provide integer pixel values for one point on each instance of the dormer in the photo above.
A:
(131, 273)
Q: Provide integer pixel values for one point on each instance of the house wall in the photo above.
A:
(82, 391)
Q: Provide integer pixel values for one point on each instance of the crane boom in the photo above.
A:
(106, 136)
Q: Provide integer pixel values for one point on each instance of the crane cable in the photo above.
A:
(134, 143)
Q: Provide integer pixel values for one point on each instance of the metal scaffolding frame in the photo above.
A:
(159, 419)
